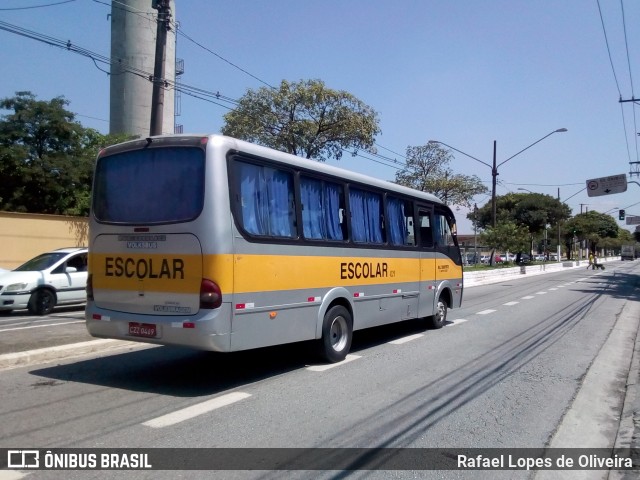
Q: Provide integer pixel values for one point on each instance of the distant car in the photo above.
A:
(525, 258)
(472, 259)
(53, 278)
(485, 259)
(539, 257)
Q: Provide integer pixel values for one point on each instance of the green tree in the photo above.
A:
(506, 236)
(591, 226)
(533, 210)
(427, 170)
(304, 118)
(46, 158)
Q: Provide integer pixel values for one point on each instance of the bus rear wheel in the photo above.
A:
(439, 318)
(337, 332)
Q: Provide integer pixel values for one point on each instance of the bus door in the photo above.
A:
(448, 264)
(424, 224)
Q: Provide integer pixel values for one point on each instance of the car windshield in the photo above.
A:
(41, 262)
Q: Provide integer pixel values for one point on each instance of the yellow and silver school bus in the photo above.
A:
(218, 244)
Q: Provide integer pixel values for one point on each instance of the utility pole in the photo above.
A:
(559, 249)
(157, 99)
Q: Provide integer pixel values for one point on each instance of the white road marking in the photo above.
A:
(541, 293)
(322, 368)
(485, 312)
(456, 322)
(400, 341)
(510, 304)
(528, 297)
(553, 289)
(39, 326)
(195, 410)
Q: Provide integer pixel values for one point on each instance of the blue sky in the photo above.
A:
(464, 72)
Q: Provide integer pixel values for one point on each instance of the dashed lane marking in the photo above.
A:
(196, 410)
(528, 297)
(39, 326)
(322, 368)
(400, 341)
(485, 312)
(510, 304)
(457, 321)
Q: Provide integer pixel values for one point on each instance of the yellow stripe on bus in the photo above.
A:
(251, 273)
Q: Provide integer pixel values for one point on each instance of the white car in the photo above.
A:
(53, 278)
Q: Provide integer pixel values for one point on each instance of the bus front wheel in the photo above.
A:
(337, 332)
(439, 318)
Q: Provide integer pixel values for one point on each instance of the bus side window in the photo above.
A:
(400, 222)
(426, 232)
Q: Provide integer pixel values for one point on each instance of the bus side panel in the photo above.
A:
(270, 308)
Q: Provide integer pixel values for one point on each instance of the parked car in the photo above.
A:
(496, 259)
(53, 278)
(472, 259)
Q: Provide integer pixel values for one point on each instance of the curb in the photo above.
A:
(63, 352)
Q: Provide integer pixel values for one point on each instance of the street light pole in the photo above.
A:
(494, 175)
(494, 167)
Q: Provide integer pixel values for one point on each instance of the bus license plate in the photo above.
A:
(142, 329)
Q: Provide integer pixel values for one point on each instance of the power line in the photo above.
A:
(38, 6)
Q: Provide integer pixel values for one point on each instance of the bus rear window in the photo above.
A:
(154, 185)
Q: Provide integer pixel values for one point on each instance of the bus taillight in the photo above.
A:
(210, 294)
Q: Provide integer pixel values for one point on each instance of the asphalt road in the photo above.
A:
(506, 372)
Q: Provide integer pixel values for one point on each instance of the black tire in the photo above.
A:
(41, 302)
(337, 333)
(439, 319)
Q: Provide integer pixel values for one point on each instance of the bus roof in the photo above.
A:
(286, 158)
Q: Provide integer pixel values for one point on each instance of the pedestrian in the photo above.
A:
(591, 264)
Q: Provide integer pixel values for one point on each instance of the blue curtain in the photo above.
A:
(320, 209)
(312, 224)
(396, 226)
(366, 216)
(266, 200)
(333, 208)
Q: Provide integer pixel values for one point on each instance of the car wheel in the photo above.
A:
(439, 318)
(41, 302)
(337, 332)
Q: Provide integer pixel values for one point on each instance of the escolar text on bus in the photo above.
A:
(351, 270)
(170, 268)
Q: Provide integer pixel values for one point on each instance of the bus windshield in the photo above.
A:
(150, 186)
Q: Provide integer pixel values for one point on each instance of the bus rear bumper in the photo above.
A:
(207, 330)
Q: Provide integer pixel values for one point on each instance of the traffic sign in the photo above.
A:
(633, 220)
(607, 185)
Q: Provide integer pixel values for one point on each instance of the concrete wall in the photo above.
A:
(484, 277)
(25, 235)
